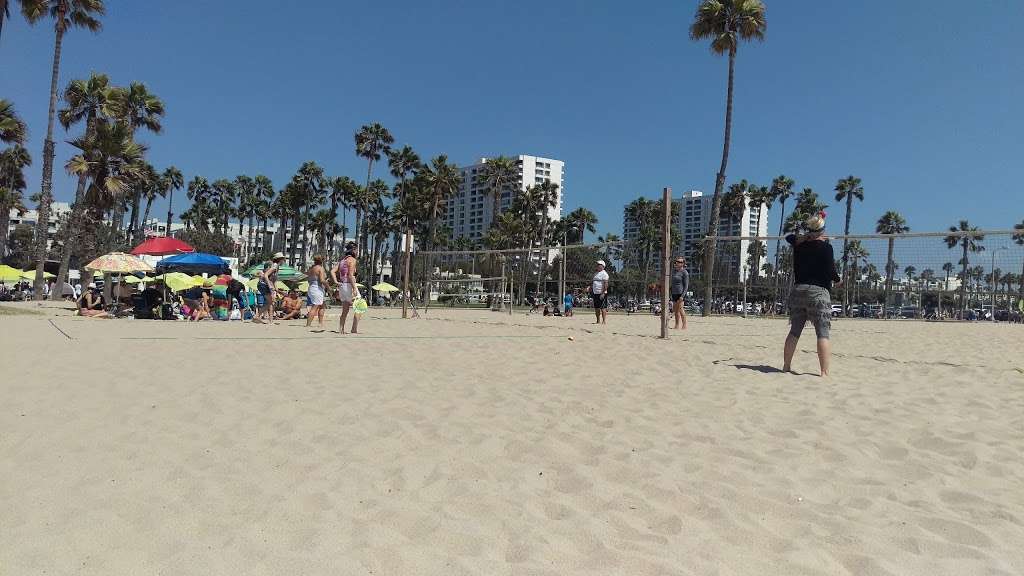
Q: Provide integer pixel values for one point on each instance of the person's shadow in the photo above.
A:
(758, 368)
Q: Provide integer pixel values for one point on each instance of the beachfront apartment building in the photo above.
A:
(695, 220)
(468, 213)
(59, 213)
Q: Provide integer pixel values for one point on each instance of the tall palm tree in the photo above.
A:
(891, 223)
(157, 188)
(581, 220)
(114, 163)
(761, 197)
(263, 195)
(441, 181)
(200, 193)
(91, 100)
(498, 174)
(725, 23)
(223, 194)
(781, 190)
(1018, 238)
(402, 162)
(13, 162)
(12, 127)
(66, 14)
(372, 140)
(965, 236)
(147, 179)
(311, 181)
(171, 180)
(848, 189)
(548, 200)
(245, 209)
(857, 254)
(341, 194)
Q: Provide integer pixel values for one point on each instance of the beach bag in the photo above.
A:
(360, 306)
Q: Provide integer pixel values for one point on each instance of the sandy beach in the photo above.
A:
(470, 442)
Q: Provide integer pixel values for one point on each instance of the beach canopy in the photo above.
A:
(119, 263)
(384, 287)
(162, 246)
(193, 263)
(10, 274)
(31, 275)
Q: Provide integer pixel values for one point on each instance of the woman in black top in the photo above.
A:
(814, 271)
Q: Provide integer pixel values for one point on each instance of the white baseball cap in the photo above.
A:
(92, 285)
(601, 262)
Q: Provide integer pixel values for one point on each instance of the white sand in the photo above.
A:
(476, 443)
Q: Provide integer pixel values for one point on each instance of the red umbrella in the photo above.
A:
(162, 246)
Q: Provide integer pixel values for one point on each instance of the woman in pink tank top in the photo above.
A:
(344, 275)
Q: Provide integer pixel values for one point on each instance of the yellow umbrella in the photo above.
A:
(303, 286)
(133, 280)
(119, 263)
(31, 275)
(384, 287)
(9, 274)
(281, 286)
(178, 281)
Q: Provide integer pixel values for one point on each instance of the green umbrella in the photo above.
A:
(384, 287)
(284, 272)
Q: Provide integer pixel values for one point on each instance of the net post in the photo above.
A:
(405, 274)
(666, 248)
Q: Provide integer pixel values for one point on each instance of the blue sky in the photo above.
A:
(920, 99)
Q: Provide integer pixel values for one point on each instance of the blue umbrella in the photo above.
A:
(193, 263)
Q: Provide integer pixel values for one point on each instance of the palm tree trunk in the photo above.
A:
(294, 248)
(716, 208)
(248, 240)
(132, 226)
(145, 214)
(778, 246)
(170, 204)
(46, 195)
(5, 223)
(360, 215)
(496, 201)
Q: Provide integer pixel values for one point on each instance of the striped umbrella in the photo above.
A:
(119, 263)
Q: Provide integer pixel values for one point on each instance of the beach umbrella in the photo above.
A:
(118, 263)
(303, 286)
(162, 246)
(133, 280)
(177, 281)
(384, 287)
(10, 274)
(193, 263)
(284, 272)
(281, 286)
(31, 275)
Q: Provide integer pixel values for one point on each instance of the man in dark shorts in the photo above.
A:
(814, 271)
(599, 291)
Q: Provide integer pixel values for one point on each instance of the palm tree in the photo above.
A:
(1018, 239)
(12, 127)
(848, 189)
(311, 181)
(113, 162)
(891, 223)
(263, 195)
(909, 273)
(857, 253)
(441, 180)
(371, 141)
(781, 190)
(548, 200)
(171, 180)
(581, 220)
(245, 209)
(157, 188)
(91, 100)
(137, 107)
(342, 193)
(725, 23)
(66, 14)
(965, 237)
(735, 203)
(497, 174)
(200, 194)
(13, 162)
(223, 195)
(402, 162)
(148, 178)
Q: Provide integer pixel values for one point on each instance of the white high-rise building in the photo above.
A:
(694, 222)
(468, 213)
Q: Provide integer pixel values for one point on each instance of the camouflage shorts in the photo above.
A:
(809, 302)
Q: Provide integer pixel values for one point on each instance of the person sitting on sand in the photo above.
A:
(291, 306)
(201, 307)
(90, 304)
(814, 271)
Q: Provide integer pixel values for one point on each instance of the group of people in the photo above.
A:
(342, 277)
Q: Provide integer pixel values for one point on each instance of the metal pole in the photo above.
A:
(745, 274)
(992, 282)
(405, 274)
(666, 251)
(561, 279)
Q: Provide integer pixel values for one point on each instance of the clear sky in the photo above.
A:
(921, 99)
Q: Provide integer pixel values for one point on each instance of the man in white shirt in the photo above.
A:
(599, 291)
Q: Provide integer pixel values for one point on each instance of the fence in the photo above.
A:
(964, 275)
